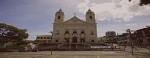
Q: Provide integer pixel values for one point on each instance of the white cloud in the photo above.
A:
(134, 24)
(148, 24)
(116, 9)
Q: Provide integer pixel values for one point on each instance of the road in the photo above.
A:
(70, 54)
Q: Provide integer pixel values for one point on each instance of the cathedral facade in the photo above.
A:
(74, 30)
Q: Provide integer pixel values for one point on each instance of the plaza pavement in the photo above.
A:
(137, 51)
(70, 54)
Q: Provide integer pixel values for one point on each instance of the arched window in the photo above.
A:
(56, 40)
(82, 32)
(74, 31)
(66, 34)
(58, 17)
(90, 17)
(92, 33)
(92, 41)
(66, 31)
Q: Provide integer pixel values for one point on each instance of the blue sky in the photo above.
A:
(37, 16)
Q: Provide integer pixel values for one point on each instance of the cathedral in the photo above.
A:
(74, 30)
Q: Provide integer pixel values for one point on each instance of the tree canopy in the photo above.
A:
(143, 2)
(11, 33)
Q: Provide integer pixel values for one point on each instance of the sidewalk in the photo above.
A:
(138, 51)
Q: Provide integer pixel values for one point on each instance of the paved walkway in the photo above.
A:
(68, 54)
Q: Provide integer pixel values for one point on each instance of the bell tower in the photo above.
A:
(90, 16)
(59, 16)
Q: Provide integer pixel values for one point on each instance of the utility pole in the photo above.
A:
(118, 40)
(131, 41)
(144, 38)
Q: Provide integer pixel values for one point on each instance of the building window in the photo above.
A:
(90, 17)
(82, 32)
(74, 34)
(41, 37)
(48, 37)
(44, 37)
(74, 31)
(44, 41)
(49, 41)
(56, 40)
(37, 37)
(82, 35)
(66, 34)
(37, 41)
(82, 40)
(92, 33)
(66, 31)
(92, 40)
(58, 17)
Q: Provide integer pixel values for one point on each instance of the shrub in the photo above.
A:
(12, 47)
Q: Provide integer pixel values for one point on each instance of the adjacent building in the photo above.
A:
(110, 33)
(102, 39)
(142, 36)
(43, 39)
(110, 36)
(138, 37)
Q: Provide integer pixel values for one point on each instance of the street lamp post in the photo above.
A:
(118, 40)
(131, 41)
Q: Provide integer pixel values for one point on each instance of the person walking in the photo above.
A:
(112, 47)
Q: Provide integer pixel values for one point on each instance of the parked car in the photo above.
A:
(29, 47)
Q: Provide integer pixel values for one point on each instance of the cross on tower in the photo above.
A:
(74, 14)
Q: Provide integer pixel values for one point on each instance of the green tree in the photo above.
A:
(11, 33)
(143, 2)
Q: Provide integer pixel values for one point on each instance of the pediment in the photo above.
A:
(75, 20)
